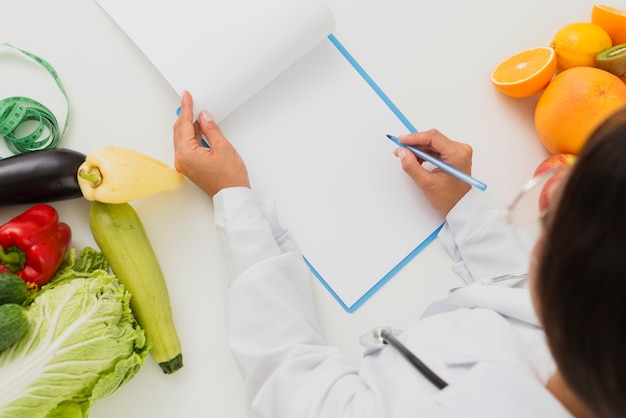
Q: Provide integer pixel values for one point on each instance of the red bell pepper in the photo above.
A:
(33, 244)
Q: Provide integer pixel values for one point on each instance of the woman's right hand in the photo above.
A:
(441, 189)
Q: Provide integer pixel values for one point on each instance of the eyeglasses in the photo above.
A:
(535, 200)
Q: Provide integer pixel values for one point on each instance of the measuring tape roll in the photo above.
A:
(16, 111)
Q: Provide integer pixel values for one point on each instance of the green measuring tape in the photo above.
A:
(17, 111)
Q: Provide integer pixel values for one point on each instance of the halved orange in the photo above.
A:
(525, 73)
(612, 20)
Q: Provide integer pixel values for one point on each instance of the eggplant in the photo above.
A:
(41, 176)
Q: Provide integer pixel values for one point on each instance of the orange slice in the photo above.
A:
(525, 73)
(612, 20)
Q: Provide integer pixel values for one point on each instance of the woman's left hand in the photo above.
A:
(211, 169)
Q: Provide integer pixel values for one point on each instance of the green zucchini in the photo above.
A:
(13, 324)
(12, 289)
(121, 236)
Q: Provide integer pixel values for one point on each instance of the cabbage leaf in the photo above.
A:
(83, 343)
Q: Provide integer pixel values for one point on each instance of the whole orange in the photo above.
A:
(574, 103)
(577, 44)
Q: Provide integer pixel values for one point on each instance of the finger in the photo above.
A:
(184, 127)
(413, 167)
(431, 140)
(211, 130)
(186, 107)
(197, 132)
(421, 142)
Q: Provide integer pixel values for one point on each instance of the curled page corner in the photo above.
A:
(223, 52)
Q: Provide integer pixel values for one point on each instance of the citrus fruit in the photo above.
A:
(612, 20)
(525, 73)
(574, 103)
(577, 44)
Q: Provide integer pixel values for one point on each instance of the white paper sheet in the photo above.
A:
(313, 137)
(229, 49)
(315, 140)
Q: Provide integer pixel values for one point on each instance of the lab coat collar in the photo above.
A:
(507, 301)
(483, 336)
(497, 390)
(506, 378)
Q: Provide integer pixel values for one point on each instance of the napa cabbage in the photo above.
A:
(83, 343)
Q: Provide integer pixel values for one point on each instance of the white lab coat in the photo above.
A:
(483, 340)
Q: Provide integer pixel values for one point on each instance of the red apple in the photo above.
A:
(550, 163)
(555, 161)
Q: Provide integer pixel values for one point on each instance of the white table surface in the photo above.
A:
(432, 59)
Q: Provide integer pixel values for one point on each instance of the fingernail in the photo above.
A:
(401, 153)
(206, 116)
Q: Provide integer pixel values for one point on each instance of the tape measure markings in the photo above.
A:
(17, 111)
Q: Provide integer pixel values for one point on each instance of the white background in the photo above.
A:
(432, 58)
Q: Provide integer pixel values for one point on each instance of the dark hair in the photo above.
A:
(581, 284)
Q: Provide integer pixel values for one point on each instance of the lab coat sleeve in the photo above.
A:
(288, 368)
(481, 241)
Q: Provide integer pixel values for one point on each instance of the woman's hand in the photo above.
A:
(211, 169)
(441, 189)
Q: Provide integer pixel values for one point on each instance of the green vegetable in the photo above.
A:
(82, 344)
(123, 240)
(13, 324)
(12, 289)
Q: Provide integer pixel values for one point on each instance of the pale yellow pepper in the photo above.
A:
(118, 175)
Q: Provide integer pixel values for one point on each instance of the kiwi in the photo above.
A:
(613, 60)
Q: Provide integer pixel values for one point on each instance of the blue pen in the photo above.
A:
(205, 143)
(442, 165)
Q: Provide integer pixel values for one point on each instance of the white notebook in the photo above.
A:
(308, 121)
